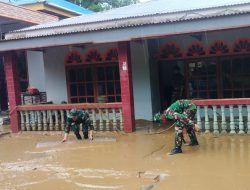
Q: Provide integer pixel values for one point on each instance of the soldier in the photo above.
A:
(73, 121)
(183, 112)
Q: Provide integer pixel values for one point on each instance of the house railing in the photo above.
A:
(52, 117)
(224, 115)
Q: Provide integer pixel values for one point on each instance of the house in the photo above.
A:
(21, 16)
(17, 18)
(119, 64)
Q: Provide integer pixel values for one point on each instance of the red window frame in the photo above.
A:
(91, 86)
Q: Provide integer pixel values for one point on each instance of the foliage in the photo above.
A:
(100, 5)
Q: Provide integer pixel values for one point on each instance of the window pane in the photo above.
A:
(118, 98)
(100, 74)
(82, 100)
(81, 90)
(116, 72)
(212, 84)
(213, 94)
(72, 75)
(246, 66)
(90, 100)
(117, 88)
(227, 94)
(246, 82)
(90, 91)
(247, 94)
(236, 66)
(194, 95)
(89, 74)
(80, 75)
(202, 85)
(211, 68)
(237, 94)
(111, 89)
(73, 90)
(111, 99)
(109, 73)
(203, 94)
(101, 88)
(236, 82)
(74, 100)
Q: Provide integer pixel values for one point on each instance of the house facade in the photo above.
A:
(18, 14)
(123, 61)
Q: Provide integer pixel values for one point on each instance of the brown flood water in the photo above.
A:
(115, 160)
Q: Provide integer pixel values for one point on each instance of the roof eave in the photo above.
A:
(125, 23)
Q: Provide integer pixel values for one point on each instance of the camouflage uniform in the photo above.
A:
(81, 117)
(183, 112)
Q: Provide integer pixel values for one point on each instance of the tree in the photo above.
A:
(100, 5)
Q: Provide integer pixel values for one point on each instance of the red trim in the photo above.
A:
(111, 54)
(73, 57)
(219, 47)
(170, 51)
(67, 106)
(93, 56)
(211, 102)
(242, 45)
(195, 49)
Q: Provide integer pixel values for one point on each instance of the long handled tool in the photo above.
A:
(165, 130)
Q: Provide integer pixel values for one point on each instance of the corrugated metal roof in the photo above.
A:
(56, 3)
(140, 14)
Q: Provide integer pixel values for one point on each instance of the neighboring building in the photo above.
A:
(12, 18)
(60, 8)
(24, 13)
(126, 56)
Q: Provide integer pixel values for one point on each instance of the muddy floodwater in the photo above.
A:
(119, 161)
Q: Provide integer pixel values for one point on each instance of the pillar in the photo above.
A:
(126, 86)
(13, 87)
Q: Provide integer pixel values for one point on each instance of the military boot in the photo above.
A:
(85, 135)
(194, 143)
(78, 136)
(175, 151)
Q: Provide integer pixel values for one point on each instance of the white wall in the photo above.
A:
(141, 80)
(55, 78)
(36, 73)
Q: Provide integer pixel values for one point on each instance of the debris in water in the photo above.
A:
(104, 139)
(51, 144)
(147, 187)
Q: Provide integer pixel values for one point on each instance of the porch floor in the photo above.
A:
(116, 160)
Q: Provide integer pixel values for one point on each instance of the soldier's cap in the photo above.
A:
(73, 112)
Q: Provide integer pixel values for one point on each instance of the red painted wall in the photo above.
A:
(126, 86)
(13, 86)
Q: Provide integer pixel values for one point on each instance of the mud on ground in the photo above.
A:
(116, 160)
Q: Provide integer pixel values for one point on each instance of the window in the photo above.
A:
(236, 77)
(94, 83)
(202, 79)
(221, 77)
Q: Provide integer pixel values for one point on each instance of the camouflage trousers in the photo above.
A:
(179, 134)
(181, 122)
(76, 129)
